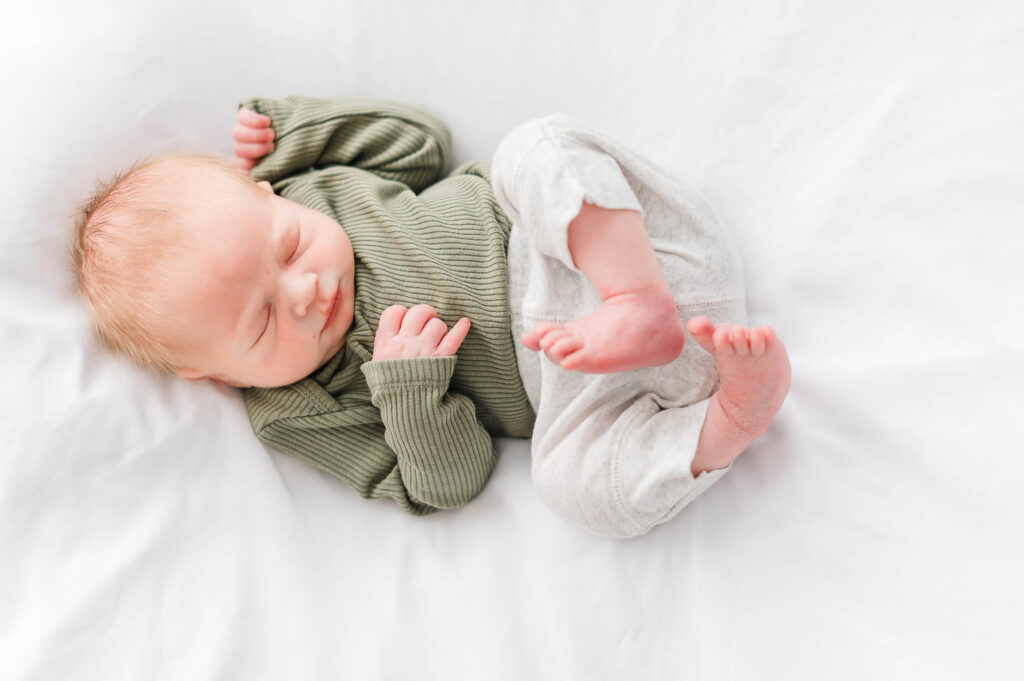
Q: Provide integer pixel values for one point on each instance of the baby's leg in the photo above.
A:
(595, 208)
(637, 325)
(621, 453)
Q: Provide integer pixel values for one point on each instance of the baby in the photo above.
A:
(368, 304)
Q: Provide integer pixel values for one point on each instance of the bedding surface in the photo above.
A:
(869, 159)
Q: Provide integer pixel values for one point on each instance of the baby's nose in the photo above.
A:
(304, 290)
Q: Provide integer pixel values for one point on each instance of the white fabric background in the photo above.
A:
(869, 158)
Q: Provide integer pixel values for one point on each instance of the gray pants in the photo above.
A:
(611, 452)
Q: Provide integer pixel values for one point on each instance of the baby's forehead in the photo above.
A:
(184, 179)
(223, 221)
(203, 197)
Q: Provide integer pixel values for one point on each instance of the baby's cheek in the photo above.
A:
(299, 349)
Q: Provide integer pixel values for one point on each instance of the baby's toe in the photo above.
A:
(700, 325)
(702, 330)
(564, 346)
(574, 354)
(722, 342)
(531, 339)
(551, 337)
(756, 342)
(738, 336)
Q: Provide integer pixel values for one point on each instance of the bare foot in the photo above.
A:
(754, 371)
(629, 331)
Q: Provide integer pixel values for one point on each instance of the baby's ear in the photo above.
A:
(264, 185)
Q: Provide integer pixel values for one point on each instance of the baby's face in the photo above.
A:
(270, 297)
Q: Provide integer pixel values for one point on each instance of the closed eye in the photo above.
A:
(294, 248)
(266, 327)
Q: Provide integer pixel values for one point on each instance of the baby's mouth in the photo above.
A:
(333, 309)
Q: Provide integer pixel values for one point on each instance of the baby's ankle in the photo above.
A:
(654, 294)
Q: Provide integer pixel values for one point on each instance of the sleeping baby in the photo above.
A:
(386, 319)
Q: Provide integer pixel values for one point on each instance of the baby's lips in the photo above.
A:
(333, 309)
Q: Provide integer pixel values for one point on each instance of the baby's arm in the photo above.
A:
(444, 454)
(418, 443)
(394, 141)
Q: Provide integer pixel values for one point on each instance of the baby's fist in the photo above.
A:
(254, 138)
(416, 332)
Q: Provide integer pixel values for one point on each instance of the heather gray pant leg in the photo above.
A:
(611, 452)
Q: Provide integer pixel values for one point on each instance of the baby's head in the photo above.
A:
(187, 266)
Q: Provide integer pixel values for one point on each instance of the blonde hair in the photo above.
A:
(130, 238)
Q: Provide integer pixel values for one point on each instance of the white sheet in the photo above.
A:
(868, 157)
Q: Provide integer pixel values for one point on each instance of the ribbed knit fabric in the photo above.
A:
(415, 430)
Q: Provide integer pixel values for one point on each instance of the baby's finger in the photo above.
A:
(451, 342)
(432, 334)
(253, 151)
(251, 119)
(243, 133)
(242, 163)
(416, 319)
(390, 322)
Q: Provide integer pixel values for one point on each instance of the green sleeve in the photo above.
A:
(354, 452)
(393, 141)
(443, 451)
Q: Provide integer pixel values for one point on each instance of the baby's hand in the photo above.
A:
(416, 332)
(254, 138)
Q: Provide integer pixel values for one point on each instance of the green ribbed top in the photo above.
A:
(415, 430)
